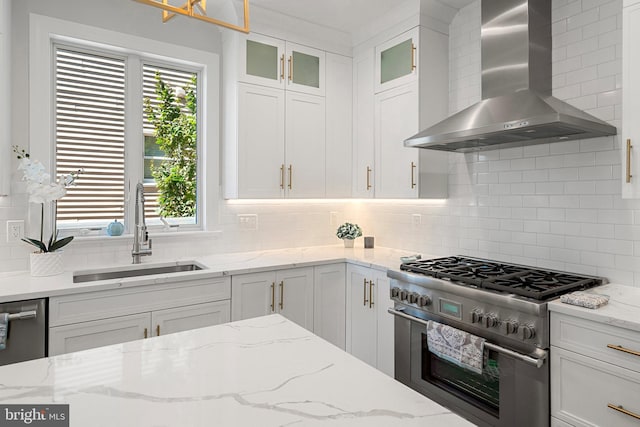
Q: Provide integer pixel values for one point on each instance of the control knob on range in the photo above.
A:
(404, 294)
(509, 326)
(413, 297)
(490, 320)
(395, 291)
(476, 316)
(527, 332)
(424, 300)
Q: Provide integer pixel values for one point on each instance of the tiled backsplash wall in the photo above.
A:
(552, 205)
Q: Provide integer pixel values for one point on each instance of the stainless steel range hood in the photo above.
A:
(517, 107)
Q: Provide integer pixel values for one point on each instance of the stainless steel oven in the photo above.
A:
(511, 391)
(505, 305)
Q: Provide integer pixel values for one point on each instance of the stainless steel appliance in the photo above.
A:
(517, 107)
(504, 303)
(27, 331)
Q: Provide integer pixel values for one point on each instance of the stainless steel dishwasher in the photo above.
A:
(27, 330)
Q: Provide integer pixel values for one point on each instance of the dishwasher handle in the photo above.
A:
(23, 315)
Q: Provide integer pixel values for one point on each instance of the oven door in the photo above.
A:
(513, 389)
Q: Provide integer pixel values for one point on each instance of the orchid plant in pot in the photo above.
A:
(348, 232)
(46, 261)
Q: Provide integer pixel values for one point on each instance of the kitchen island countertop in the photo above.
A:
(263, 372)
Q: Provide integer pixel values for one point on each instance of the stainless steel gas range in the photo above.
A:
(506, 304)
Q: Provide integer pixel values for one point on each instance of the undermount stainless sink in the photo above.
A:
(91, 276)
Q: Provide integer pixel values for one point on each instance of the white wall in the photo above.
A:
(553, 205)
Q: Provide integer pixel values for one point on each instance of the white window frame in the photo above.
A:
(44, 31)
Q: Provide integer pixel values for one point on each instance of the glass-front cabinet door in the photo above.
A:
(305, 69)
(397, 61)
(262, 61)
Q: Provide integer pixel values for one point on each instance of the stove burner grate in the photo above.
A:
(511, 278)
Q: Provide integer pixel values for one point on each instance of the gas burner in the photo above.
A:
(498, 276)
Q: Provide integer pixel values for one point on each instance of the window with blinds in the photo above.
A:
(89, 123)
(153, 155)
(90, 106)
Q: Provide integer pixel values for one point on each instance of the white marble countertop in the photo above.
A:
(622, 310)
(263, 372)
(20, 285)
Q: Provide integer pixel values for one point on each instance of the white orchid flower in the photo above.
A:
(34, 171)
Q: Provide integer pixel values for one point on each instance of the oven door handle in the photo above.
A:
(537, 362)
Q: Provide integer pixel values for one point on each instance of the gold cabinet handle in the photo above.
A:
(146, 332)
(291, 68)
(413, 178)
(624, 411)
(158, 330)
(282, 177)
(282, 295)
(273, 296)
(370, 293)
(413, 56)
(629, 147)
(364, 289)
(282, 67)
(368, 178)
(623, 349)
(290, 177)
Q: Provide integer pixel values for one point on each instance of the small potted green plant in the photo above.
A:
(348, 232)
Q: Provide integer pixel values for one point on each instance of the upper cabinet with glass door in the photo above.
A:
(275, 63)
(397, 61)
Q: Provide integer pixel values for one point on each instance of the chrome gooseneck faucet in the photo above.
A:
(141, 240)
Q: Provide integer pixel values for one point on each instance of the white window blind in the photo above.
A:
(89, 132)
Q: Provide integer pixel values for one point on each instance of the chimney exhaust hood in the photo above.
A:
(517, 107)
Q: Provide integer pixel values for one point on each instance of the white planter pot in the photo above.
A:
(46, 263)
(348, 243)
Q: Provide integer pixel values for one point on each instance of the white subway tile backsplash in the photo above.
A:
(563, 174)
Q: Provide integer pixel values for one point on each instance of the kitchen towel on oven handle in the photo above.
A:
(458, 347)
(4, 329)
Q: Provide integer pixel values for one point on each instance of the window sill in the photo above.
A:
(161, 235)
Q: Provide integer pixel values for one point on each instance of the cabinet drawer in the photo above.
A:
(119, 302)
(592, 338)
(582, 387)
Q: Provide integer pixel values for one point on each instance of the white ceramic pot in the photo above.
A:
(348, 243)
(46, 263)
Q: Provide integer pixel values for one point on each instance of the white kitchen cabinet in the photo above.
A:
(396, 118)
(305, 146)
(595, 373)
(277, 63)
(5, 99)
(329, 303)
(369, 331)
(339, 125)
(288, 292)
(93, 319)
(261, 136)
(405, 92)
(630, 138)
(98, 333)
(397, 61)
(363, 124)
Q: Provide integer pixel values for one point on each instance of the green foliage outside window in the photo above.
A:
(174, 119)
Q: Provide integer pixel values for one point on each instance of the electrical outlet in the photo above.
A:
(15, 230)
(333, 219)
(416, 220)
(248, 221)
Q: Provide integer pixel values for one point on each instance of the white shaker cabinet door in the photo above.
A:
(305, 146)
(329, 303)
(261, 133)
(361, 316)
(180, 319)
(98, 333)
(294, 295)
(630, 138)
(364, 169)
(253, 295)
(397, 116)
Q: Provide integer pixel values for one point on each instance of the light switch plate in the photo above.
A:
(15, 230)
(248, 221)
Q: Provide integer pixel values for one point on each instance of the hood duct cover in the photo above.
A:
(517, 107)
